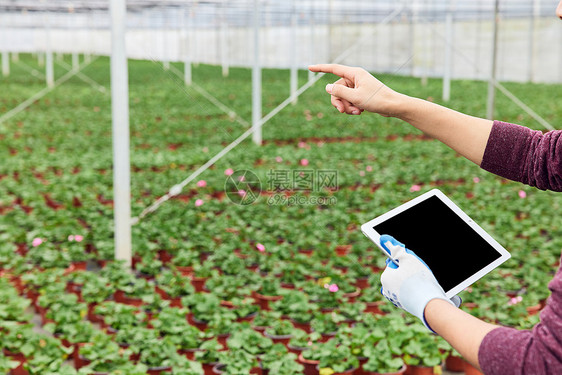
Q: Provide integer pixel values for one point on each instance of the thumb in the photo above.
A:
(341, 91)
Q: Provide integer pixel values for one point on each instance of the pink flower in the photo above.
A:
(302, 144)
(71, 238)
(242, 192)
(278, 159)
(515, 300)
(201, 183)
(361, 173)
(205, 149)
(36, 242)
(415, 188)
(199, 202)
(476, 180)
(369, 168)
(260, 247)
(304, 162)
(229, 172)
(78, 238)
(333, 288)
(522, 194)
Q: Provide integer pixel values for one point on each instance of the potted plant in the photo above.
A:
(160, 355)
(52, 355)
(95, 291)
(337, 359)
(185, 260)
(264, 319)
(134, 338)
(373, 299)
(202, 307)
(209, 355)
(236, 362)
(277, 361)
(117, 315)
(327, 324)
(295, 306)
(171, 322)
(381, 360)
(301, 341)
(7, 364)
(102, 354)
(270, 291)
(133, 292)
(201, 273)
(422, 350)
(250, 341)
(281, 331)
(172, 285)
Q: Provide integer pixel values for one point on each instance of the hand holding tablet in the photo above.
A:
(456, 249)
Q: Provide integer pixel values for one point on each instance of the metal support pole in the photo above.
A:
(49, 68)
(448, 55)
(294, 54)
(120, 124)
(311, 48)
(531, 42)
(186, 42)
(256, 78)
(224, 41)
(5, 63)
(75, 61)
(491, 87)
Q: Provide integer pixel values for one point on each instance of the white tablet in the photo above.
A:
(457, 250)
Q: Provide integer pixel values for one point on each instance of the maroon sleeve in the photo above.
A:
(534, 158)
(528, 156)
(535, 352)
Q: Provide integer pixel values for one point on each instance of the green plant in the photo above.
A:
(97, 289)
(19, 338)
(6, 364)
(134, 338)
(209, 353)
(250, 341)
(171, 322)
(159, 353)
(118, 315)
(327, 323)
(75, 332)
(381, 359)
(332, 355)
(265, 318)
(421, 349)
(237, 362)
(280, 328)
(50, 356)
(174, 284)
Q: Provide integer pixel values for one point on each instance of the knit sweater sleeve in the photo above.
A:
(528, 156)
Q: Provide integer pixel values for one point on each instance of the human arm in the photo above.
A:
(357, 90)
(463, 331)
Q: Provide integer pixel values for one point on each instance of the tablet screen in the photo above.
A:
(450, 247)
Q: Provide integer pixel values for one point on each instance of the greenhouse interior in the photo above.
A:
(155, 220)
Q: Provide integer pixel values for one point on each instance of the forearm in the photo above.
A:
(463, 331)
(465, 134)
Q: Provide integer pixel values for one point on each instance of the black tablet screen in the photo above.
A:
(451, 248)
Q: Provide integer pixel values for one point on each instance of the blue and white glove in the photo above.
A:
(409, 283)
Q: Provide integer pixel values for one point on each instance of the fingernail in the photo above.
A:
(355, 112)
(329, 88)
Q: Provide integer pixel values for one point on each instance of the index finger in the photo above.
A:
(342, 71)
